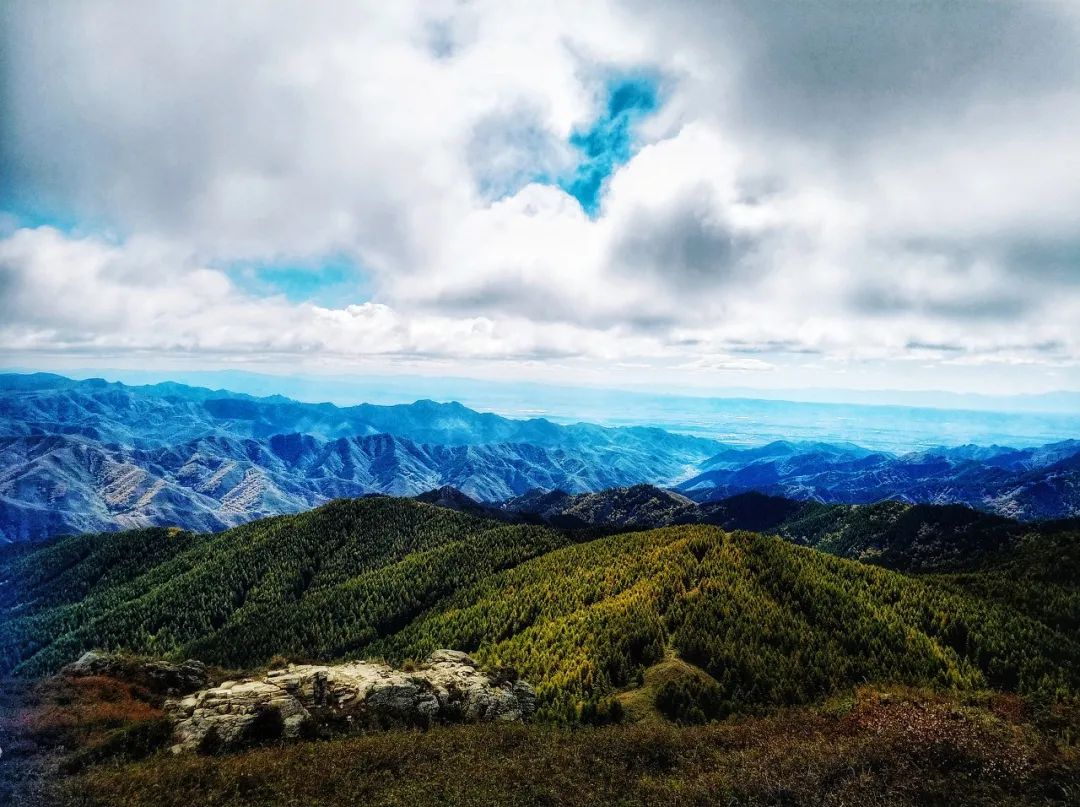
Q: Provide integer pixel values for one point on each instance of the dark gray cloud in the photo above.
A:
(885, 300)
(1050, 259)
(845, 69)
(689, 244)
(510, 292)
(936, 347)
(1052, 347)
(770, 346)
(833, 64)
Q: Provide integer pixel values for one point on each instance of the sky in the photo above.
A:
(690, 196)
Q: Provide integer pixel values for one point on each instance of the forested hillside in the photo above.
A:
(582, 617)
(321, 583)
(894, 534)
(770, 622)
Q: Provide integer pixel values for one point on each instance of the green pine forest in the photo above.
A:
(584, 616)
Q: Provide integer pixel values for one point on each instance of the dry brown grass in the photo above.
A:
(874, 747)
(71, 711)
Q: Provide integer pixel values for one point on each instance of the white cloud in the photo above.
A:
(85, 294)
(815, 186)
(726, 363)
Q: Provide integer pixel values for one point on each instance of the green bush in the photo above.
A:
(691, 701)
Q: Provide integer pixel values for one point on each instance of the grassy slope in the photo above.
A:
(639, 702)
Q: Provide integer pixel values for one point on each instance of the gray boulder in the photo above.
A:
(287, 703)
(234, 715)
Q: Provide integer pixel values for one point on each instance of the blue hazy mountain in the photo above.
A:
(1026, 484)
(894, 421)
(166, 413)
(94, 455)
(58, 484)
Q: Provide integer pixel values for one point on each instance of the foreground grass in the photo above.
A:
(875, 747)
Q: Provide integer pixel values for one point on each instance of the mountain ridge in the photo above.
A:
(216, 482)
(1027, 484)
(55, 400)
(894, 534)
(96, 456)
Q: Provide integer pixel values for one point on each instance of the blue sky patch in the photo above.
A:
(331, 281)
(16, 213)
(609, 141)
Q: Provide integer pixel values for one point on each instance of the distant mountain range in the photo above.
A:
(168, 414)
(1025, 484)
(60, 484)
(78, 456)
(899, 535)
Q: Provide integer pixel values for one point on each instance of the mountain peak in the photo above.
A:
(448, 496)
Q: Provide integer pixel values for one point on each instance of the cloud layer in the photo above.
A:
(711, 190)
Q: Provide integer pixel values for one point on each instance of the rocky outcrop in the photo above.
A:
(160, 677)
(308, 699)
